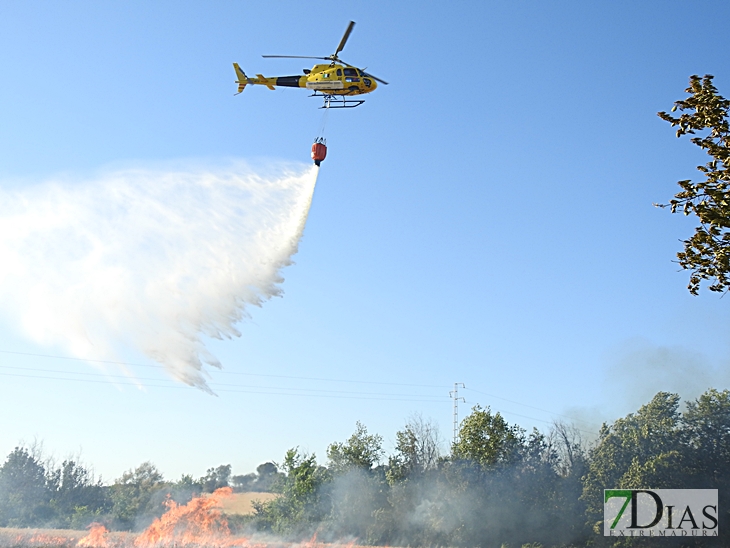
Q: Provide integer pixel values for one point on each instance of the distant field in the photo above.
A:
(240, 503)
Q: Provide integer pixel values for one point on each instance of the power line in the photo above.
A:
(251, 389)
(527, 405)
(125, 380)
(546, 422)
(223, 371)
(127, 377)
(353, 396)
(537, 408)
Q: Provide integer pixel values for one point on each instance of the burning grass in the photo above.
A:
(199, 523)
(99, 537)
(96, 537)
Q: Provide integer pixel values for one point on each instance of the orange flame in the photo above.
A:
(97, 537)
(199, 522)
(48, 540)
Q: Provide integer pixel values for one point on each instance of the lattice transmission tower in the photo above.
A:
(454, 394)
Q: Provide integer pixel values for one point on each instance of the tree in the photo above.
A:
(361, 450)
(503, 486)
(707, 253)
(487, 440)
(571, 466)
(132, 494)
(76, 497)
(215, 478)
(359, 486)
(413, 477)
(266, 476)
(24, 496)
(645, 450)
(570, 448)
(417, 450)
(707, 422)
(300, 505)
(243, 483)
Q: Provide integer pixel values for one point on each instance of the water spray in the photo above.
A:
(153, 260)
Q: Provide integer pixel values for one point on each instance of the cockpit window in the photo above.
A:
(351, 72)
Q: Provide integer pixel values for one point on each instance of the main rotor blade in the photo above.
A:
(374, 77)
(296, 57)
(345, 37)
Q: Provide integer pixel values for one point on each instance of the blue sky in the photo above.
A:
(486, 218)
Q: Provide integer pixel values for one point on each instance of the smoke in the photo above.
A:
(150, 259)
(638, 369)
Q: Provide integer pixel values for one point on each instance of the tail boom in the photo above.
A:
(261, 80)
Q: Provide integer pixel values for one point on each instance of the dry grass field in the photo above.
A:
(65, 538)
(240, 503)
(55, 538)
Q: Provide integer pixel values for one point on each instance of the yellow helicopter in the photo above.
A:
(337, 81)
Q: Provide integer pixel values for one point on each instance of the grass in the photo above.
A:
(241, 503)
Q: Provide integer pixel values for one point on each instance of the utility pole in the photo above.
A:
(455, 395)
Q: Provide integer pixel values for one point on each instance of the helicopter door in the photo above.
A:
(351, 75)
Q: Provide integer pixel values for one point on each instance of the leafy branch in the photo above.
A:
(707, 253)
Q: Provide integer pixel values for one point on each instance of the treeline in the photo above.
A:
(34, 492)
(498, 485)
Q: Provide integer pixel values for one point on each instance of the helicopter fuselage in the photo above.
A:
(327, 79)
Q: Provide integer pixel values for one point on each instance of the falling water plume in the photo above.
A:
(150, 259)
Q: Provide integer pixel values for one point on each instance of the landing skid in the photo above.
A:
(332, 101)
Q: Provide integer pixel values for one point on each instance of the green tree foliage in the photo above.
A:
(266, 477)
(361, 450)
(24, 495)
(641, 451)
(77, 499)
(707, 425)
(189, 484)
(571, 465)
(215, 478)
(707, 253)
(300, 507)
(504, 484)
(487, 440)
(412, 475)
(359, 487)
(133, 495)
(244, 483)
(417, 450)
(707, 422)
(500, 485)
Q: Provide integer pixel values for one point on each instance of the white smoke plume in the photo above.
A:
(152, 259)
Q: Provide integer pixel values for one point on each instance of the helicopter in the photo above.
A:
(337, 82)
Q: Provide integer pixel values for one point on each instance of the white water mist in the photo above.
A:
(153, 259)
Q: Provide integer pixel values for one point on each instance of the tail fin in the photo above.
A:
(242, 78)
